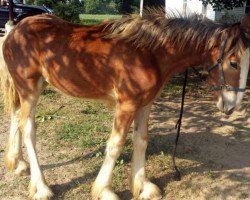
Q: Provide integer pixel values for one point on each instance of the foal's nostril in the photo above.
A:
(229, 112)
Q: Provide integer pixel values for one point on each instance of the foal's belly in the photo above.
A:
(80, 84)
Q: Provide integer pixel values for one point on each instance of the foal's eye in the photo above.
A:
(234, 64)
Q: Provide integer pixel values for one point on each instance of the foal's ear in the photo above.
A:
(245, 25)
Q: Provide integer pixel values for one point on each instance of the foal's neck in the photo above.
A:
(171, 60)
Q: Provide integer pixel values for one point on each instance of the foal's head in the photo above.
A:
(229, 73)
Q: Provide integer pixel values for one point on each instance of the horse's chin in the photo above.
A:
(229, 112)
(228, 109)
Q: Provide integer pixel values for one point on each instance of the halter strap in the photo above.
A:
(228, 88)
(223, 85)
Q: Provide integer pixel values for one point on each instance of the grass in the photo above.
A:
(51, 93)
(90, 130)
(194, 87)
(89, 19)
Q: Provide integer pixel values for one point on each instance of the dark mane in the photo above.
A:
(156, 29)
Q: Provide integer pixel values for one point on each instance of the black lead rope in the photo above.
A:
(177, 175)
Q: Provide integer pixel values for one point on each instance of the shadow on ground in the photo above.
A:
(216, 143)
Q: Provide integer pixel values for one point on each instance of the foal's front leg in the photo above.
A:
(102, 186)
(140, 186)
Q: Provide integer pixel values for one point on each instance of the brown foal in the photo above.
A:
(126, 62)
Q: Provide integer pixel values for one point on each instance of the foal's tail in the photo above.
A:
(10, 95)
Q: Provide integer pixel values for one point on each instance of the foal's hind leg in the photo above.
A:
(38, 187)
(140, 186)
(13, 154)
(102, 187)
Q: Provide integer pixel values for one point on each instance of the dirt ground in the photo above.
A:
(213, 156)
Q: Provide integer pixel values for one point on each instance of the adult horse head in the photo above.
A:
(127, 62)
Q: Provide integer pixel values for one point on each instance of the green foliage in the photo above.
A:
(230, 18)
(48, 115)
(69, 11)
(224, 4)
(90, 19)
(91, 130)
(66, 10)
(49, 3)
(100, 7)
(92, 6)
(64, 7)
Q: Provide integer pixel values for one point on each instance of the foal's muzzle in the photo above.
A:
(228, 111)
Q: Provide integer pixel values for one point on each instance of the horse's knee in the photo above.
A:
(114, 146)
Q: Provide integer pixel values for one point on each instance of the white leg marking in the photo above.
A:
(140, 186)
(38, 187)
(244, 65)
(102, 185)
(22, 168)
(13, 158)
(14, 144)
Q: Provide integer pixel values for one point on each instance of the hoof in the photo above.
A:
(149, 191)
(103, 194)
(22, 168)
(10, 162)
(41, 192)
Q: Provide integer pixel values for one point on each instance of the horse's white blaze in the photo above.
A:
(244, 65)
(230, 99)
(219, 103)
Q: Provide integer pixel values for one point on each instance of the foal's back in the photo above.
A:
(77, 60)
